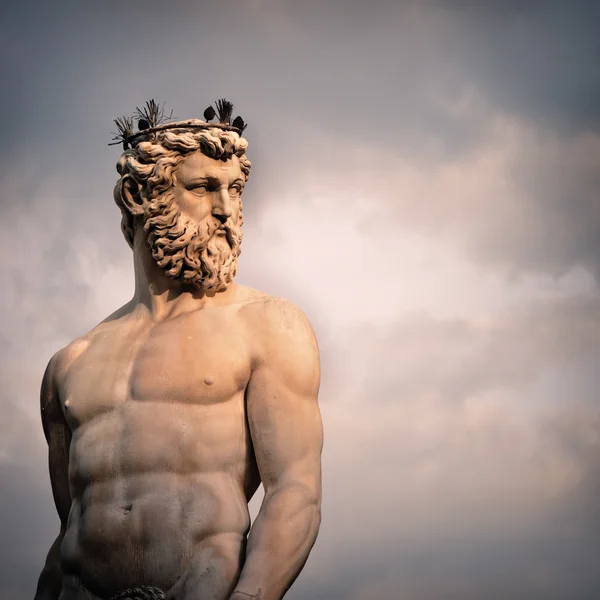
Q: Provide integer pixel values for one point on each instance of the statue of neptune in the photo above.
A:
(164, 419)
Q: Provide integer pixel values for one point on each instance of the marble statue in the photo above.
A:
(163, 420)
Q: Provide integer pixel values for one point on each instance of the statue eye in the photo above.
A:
(235, 189)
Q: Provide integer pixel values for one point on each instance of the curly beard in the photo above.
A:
(189, 252)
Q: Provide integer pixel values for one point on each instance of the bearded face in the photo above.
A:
(203, 254)
(191, 213)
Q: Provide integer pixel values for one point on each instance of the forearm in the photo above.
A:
(279, 543)
(50, 581)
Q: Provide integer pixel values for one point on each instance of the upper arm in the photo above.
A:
(58, 436)
(282, 407)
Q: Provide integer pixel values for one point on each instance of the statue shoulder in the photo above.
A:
(61, 361)
(284, 350)
(277, 324)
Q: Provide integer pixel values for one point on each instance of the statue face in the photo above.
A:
(194, 231)
(209, 190)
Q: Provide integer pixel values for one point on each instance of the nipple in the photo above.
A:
(208, 380)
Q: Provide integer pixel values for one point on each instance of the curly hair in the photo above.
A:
(153, 160)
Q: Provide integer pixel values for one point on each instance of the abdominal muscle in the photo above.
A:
(174, 518)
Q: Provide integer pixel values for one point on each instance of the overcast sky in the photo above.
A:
(424, 186)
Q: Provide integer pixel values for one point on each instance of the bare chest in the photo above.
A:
(188, 361)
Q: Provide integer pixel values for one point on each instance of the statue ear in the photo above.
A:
(131, 196)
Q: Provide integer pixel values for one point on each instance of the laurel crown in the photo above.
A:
(152, 117)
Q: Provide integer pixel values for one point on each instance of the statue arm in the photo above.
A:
(285, 425)
(58, 436)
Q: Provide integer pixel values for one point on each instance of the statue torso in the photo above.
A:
(161, 464)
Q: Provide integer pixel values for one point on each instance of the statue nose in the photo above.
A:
(222, 205)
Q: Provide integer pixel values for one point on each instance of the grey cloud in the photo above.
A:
(526, 202)
(549, 219)
(27, 518)
(552, 556)
(460, 358)
(35, 286)
(487, 508)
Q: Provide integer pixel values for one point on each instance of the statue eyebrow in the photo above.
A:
(210, 181)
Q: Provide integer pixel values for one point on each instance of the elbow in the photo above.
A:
(309, 506)
(313, 504)
(317, 520)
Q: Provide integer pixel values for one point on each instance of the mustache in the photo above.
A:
(229, 228)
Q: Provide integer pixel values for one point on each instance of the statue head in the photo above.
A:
(182, 185)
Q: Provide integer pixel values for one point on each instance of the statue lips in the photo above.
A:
(223, 231)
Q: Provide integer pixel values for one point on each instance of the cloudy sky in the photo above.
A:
(425, 186)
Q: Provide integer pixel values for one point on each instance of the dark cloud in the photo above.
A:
(560, 224)
(536, 59)
(490, 570)
(72, 71)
